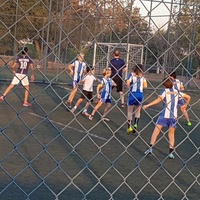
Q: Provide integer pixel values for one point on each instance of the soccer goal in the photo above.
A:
(103, 53)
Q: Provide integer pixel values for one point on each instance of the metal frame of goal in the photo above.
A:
(103, 53)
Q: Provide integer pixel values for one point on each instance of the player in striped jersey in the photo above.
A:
(178, 85)
(168, 117)
(104, 94)
(136, 82)
(76, 70)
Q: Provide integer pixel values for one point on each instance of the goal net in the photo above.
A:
(103, 53)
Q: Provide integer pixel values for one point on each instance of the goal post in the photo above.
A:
(103, 53)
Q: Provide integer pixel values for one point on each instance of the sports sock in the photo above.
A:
(129, 123)
(136, 121)
(171, 150)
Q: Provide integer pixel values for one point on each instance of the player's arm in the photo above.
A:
(124, 69)
(182, 87)
(156, 101)
(32, 72)
(145, 83)
(13, 67)
(70, 68)
(113, 83)
(99, 86)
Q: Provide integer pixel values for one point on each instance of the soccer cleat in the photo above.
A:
(72, 110)
(91, 117)
(1, 98)
(68, 103)
(189, 124)
(135, 126)
(85, 113)
(148, 151)
(130, 130)
(171, 156)
(105, 119)
(26, 104)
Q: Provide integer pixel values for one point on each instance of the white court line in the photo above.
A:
(80, 131)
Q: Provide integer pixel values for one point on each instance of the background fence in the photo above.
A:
(48, 153)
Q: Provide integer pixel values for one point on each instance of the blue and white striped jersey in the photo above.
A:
(107, 88)
(170, 102)
(177, 84)
(78, 70)
(136, 83)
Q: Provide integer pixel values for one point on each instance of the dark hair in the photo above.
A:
(138, 69)
(173, 74)
(89, 68)
(24, 50)
(168, 82)
(116, 52)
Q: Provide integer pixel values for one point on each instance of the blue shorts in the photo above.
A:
(166, 122)
(181, 102)
(74, 83)
(105, 100)
(135, 98)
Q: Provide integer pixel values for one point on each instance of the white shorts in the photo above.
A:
(23, 78)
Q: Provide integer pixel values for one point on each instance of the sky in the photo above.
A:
(160, 11)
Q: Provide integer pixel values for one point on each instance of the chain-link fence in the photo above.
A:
(48, 152)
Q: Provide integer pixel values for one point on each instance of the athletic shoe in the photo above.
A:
(105, 119)
(122, 105)
(130, 130)
(135, 126)
(171, 156)
(68, 103)
(91, 117)
(85, 113)
(189, 124)
(1, 98)
(148, 151)
(26, 104)
(72, 110)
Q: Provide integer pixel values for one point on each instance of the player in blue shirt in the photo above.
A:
(178, 85)
(24, 63)
(168, 116)
(118, 67)
(135, 82)
(104, 94)
(76, 70)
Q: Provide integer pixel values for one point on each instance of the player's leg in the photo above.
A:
(129, 118)
(25, 83)
(181, 102)
(89, 100)
(106, 110)
(137, 116)
(171, 133)
(9, 88)
(80, 100)
(26, 94)
(154, 136)
(98, 105)
(14, 82)
(185, 113)
(118, 81)
(72, 94)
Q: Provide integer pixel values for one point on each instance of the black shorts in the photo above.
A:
(119, 82)
(86, 94)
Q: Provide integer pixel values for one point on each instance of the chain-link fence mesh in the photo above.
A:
(48, 152)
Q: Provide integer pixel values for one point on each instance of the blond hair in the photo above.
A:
(106, 71)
